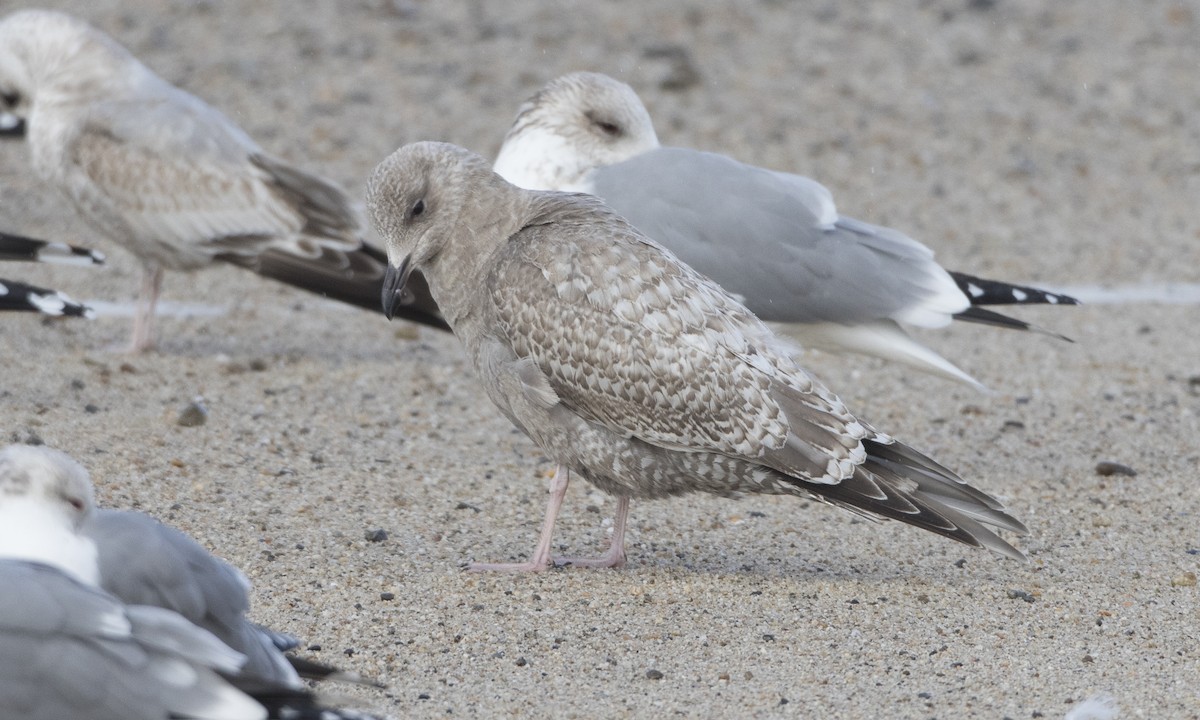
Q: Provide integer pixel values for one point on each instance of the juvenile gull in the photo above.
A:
(172, 179)
(628, 367)
(21, 296)
(69, 649)
(773, 239)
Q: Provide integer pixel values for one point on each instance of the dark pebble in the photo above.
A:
(387, 596)
(654, 675)
(1020, 595)
(1107, 468)
(378, 535)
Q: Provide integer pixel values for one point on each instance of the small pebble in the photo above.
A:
(1020, 595)
(387, 596)
(653, 674)
(194, 414)
(1107, 468)
(378, 535)
(1187, 579)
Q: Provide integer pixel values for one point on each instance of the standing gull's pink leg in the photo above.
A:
(143, 317)
(615, 555)
(540, 560)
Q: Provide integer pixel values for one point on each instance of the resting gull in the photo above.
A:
(773, 239)
(628, 367)
(69, 649)
(21, 296)
(170, 178)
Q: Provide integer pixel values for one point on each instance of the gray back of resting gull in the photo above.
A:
(170, 178)
(23, 297)
(773, 239)
(628, 367)
(69, 648)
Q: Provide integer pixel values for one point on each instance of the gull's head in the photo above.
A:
(418, 199)
(47, 478)
(48, 53)
(573, 125)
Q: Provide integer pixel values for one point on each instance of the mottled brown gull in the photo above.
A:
(73, 644)
(774, 239)
(628, 367)
(170, 178)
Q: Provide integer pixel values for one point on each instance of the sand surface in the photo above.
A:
(1029, 141)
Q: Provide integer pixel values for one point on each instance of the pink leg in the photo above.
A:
(615, 555)
(143, 316)
(540, 560)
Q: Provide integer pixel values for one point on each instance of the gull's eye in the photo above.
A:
(417, 209)
(10, 99)
(605, 125)
(76, 503)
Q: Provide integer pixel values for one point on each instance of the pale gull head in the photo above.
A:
(48, 56)
(576, 123)
(45, 497)
(422, 197)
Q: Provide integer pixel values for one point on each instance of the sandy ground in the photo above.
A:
(1030, 141)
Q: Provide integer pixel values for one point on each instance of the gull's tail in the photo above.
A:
(900, 483)
(882, 339)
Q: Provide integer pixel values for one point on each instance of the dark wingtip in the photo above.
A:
(981, 291)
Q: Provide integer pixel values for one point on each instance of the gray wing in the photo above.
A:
(143, 562)
(68, 651)
(162, 172)
(776, 240)
(633, 340)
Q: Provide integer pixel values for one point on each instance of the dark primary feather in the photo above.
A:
(982, 291)
(23, 297)
(353, 277)
(19, 247)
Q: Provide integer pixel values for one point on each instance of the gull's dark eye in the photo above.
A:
(76, 503)
(10, 99)
(418, 208)
(605, 125)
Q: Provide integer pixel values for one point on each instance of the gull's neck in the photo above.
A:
(458, 277)
(32, 531)
(539, 160)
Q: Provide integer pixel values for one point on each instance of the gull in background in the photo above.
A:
(71, 646)
(628, 367)
(170, 178)
(23, 297)
(775, 240)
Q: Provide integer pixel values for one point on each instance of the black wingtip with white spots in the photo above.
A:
(22, 297)
(994, 292)
(21, 248)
